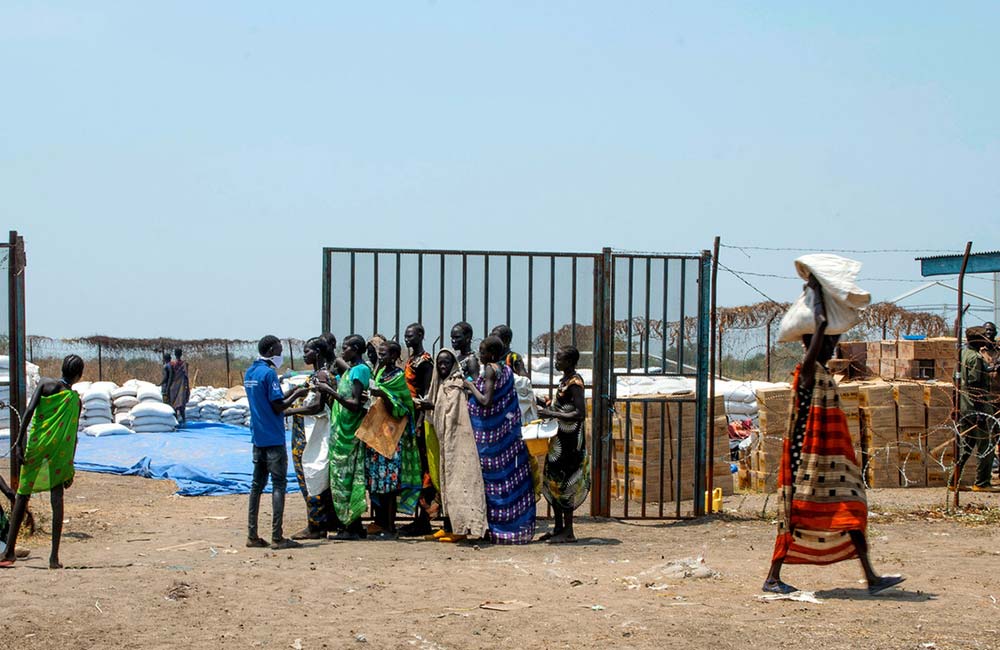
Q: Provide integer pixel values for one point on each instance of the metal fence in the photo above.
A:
(643, 314)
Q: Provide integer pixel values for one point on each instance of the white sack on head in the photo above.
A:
(843, 297)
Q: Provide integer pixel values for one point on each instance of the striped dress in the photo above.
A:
(822, 493)
(503, 456)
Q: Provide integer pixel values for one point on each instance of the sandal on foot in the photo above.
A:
(6, 564)
(256, 542)
(777, 587)
(884, 583)
(452, 538)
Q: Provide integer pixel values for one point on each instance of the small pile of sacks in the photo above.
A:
(136, 406)
(96, 399)
(226, 405)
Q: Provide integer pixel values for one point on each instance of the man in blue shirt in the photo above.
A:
(267, 429)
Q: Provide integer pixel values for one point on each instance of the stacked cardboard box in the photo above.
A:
(654, 448)
(933, 358)
(911, 434)
(878, 434)
(765, 456)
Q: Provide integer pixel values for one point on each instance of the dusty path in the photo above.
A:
(157, 571)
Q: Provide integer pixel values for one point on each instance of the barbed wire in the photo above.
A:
(872, 251)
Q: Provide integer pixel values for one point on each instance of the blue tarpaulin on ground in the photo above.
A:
(204, 458)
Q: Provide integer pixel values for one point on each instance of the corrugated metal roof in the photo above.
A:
(959, 255)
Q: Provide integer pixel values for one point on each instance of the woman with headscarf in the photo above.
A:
(459, 473)
(503, 456)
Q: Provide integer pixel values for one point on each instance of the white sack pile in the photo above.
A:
(31, 372)
(151, 416)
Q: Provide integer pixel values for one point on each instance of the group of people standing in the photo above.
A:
(460, 453)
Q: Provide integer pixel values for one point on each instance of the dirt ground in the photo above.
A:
(147, 569)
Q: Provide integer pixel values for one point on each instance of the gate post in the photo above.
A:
(325, 319)
(18, 401)
(603, 371)
(701, 389)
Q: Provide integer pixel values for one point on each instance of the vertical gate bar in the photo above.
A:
(573, 307)
(420, 288)
(444, 339)
(628, 346)
(663, 322)
(627, 487)
(649, 263)
(398, 262)
(354, 277)
(486, 294)
(600, 420)
(552, 322)
(681, 319)
(679, 469)
(662, 466)
(531, 299)
(465, 293)
(325, 323)
(645, 454)
(507, 322)
(702, 426)
(375, 293)
(710, 456)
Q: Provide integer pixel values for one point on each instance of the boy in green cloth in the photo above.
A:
(46, 455)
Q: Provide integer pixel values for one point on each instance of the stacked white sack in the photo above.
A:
(236, 412)
(151, 416)
(211, 411)
(97, 404)
(122, 401)
(100, 430)
(31, 372)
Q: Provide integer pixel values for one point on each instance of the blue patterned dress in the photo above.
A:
(510, 495)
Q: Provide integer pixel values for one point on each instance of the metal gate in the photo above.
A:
(658, 385)
(548, 299)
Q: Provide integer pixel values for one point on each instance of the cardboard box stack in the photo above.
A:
(878, 434)
(653, 447)
(911, 434)
(926, 359)
(765, 456)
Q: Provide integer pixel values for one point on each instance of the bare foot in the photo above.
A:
(565, 537)
(55, 564)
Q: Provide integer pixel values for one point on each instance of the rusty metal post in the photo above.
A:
(603, 375)
(767, 354)
(958, 369)
(710, 465)
(229, 381)
(100, 364)
(18, 401)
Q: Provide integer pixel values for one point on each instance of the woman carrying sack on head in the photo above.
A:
(823, 508)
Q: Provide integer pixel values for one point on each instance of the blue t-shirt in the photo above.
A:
(267, 428)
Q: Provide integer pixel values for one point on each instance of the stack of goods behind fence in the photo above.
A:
(925, 359)
(653, 448)
(226, 405)
(902, 431)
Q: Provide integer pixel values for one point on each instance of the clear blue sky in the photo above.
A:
(176, 167)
